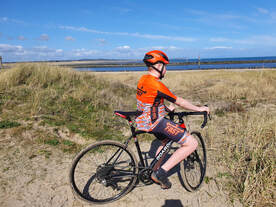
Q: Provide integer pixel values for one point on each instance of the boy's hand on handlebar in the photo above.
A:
(204, 108)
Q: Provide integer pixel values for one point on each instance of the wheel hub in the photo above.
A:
(103, 171)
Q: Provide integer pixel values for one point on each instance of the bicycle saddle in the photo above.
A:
(128, 114)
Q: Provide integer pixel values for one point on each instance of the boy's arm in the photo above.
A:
(189, 106)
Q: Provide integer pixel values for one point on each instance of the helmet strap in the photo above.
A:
(160, 72)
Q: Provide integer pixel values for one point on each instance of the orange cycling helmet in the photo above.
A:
(155, 56)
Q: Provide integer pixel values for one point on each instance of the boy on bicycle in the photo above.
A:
(151, 93)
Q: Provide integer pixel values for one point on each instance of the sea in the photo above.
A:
(208, 64)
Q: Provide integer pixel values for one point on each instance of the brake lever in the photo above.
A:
(205, 120)
(209, 115)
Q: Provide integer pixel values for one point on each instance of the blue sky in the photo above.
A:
(61, 30)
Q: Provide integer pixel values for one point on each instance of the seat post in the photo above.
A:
(133, 130)
(139, 151)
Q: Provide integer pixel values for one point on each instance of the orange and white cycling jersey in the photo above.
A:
(150, 96)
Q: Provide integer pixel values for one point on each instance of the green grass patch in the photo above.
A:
(8, 124)
(52, 142)
(68, 143)
(207, 179)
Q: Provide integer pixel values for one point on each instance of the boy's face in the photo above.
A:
(159, 66)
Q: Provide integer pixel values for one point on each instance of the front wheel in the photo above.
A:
(103, 172)
(193, 168)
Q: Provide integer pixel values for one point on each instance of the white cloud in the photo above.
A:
(262, 10)
(9, 20)
(269, 13)
(226, 19)
(165, 48)
(82, 29)
(125, 47)
(213, 16)
(158, 48)
(69, 38)
(44, 50)
(19, 53)
(263, 40)
(44, 37)
(173, 48)
(218, 48)
(146, 36)
(273, 16)
(219, 44)
(3, 19)
(219, 39)
(22, 38)
(121, 10)
(84, 53)
(5, 48)
(101, 41)
(176, 38)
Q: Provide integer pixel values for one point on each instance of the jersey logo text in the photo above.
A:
(140, 91)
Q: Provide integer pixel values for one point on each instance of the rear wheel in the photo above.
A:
(193, 168)
(103, 172)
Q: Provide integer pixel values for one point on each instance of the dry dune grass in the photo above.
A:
(62, 97)
(241, 136)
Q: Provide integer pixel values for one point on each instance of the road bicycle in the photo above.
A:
(107, 170)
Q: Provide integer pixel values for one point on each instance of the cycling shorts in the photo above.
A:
(168, 129)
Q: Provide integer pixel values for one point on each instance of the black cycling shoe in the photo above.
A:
(160, 176)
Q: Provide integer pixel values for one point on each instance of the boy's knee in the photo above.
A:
(191, 142)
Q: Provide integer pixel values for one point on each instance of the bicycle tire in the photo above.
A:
(92, 168)
(193, 168)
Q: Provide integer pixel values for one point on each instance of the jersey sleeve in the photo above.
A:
(165, 93)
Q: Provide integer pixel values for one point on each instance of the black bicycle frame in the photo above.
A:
(167, 146)
(161, 154)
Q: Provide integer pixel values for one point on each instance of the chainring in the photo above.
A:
(145, 176)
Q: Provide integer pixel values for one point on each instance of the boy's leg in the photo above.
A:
(188, 145)
(157, 165)
(181, 153)
(161, 175)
